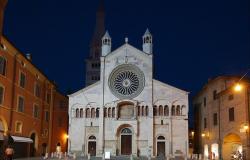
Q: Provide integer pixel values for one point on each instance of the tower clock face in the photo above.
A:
(126, 81)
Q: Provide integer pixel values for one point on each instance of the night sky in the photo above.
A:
(194, 40)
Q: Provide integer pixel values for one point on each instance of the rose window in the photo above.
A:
(126, 81)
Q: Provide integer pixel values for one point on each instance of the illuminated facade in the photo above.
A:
(223, 116)
(127, 111)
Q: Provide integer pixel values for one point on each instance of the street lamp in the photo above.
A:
(238, 87)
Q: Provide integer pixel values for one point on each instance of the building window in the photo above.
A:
(48, 97)
(18, 127)
(59, 122)
(20, 106)
(77, 113)
(22, 79)
(155, 111)
(205, 123)
(205, 101)
(2, 66)
(215, 119)
(138, 110)
(142, 110)
(166, 111)
(81, 112)
(173, 110)
(113, 112)
(87, 112)
(45, 132)
(1, 95)
(146, 110)
(97, 112)
(231, 114)
(36, 111)
(214, 94)
(160, 110)
(47, 116)
(178, 110)
(230, 97)
(37, 90)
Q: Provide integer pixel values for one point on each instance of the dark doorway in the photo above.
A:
(161, 149)
(44, 149)
(126, 144)
(92, 148)
(32, 145)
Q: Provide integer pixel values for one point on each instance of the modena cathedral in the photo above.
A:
(123, 110)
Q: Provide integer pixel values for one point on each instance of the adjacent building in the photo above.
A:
(59, 123)
(127, 111)
(222, 118)
(27, 102)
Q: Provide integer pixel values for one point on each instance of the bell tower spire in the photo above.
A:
(92, 63)
(95, 45)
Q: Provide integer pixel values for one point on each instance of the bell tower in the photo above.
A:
(106, 44)
(92, 73)
(147, 42)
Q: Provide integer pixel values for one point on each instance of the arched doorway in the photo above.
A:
(126, 141)
(32, 145)
(92, 146)
(58, 147)
(161, 146)
(231, 145)
(44, 149)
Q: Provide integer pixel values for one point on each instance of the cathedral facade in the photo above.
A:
(127, 112)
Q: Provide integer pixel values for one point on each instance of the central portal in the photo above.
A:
(126, 141)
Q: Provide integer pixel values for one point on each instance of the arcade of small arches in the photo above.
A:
(110, 112)
(89, 113)
(177, 110)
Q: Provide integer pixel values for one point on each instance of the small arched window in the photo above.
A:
(146, 110)
(161, 138)
(2, 66)
(173, 110)
(178, 110)
(81, 113)
(155, 110)
(160, 110)
(92, 138)
(166, 111)
(92, 112)
(113, 112)
(142, 111)
(77, 113)
(126, 131)
(87, 112)
(97, 112)
(105, 112)
(109, 112)
(138, 110)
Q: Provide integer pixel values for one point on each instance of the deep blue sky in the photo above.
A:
(193, 39)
